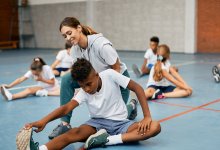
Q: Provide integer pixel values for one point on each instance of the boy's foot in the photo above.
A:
(6, 94)
(24, 140)
(99, 139)
(133, 114)
(136, 70)
(216, 73)
(60, 129)
(42, 92)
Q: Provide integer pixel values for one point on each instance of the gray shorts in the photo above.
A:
(113, 127)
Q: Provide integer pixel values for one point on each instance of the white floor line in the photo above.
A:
(130, 71)
(178, 64)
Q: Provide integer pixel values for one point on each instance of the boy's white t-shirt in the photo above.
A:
(150, 56)
(164, 81)
(108, 102)
(47, 74)
(66, 61)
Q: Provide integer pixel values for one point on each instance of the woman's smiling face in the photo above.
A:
(71, 35)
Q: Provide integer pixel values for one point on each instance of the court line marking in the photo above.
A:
(130, 71)
(188, 111)
(177, 64)
(186, 106)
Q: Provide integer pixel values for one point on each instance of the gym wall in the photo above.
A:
(208, 35)
(128, 24)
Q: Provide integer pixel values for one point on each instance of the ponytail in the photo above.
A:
(86, 30)
(37, 64)
(158, 76)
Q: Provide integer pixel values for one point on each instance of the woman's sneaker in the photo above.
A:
(60, 129)
(24, 140)
(6, 94)
(99, 139)
(216, 73)
(133, 114)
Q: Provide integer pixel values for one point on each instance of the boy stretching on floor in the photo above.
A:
(108, 124)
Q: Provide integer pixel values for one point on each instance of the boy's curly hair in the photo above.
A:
(81, 69)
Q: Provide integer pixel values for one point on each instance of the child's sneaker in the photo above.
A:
(24, 140)
(60, 129)
(216, 74)
(6, 94)
(157, 95)
(133, 114)
(96, 140)
(161, 96)
(136, 70)
(41, 93)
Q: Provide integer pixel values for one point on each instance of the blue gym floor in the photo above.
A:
(187, 123)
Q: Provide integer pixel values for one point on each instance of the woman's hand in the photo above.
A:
(38, 124)
(144, 125)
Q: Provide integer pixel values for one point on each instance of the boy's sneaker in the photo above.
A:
(216, 74)
(136, 70)
(60, 129)
(24, 140)
(133, 114)
(6, 94)
(99, 139)
(42, 92)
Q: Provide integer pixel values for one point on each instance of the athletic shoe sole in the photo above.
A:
(100, 132)
(136, 70)
(23, 139)
(3, 92)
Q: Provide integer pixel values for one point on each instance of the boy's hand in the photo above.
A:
(38, 124)
(144, 125)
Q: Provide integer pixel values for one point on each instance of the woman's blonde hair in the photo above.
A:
(158, 76)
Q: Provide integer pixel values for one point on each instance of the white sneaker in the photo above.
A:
(155, 94)
(41, 93)
(6, 94)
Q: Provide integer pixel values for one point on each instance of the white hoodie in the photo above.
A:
(99, 52)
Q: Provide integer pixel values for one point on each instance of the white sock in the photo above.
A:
(114, 139)
(43, 147)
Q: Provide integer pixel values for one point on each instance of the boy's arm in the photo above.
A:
(139, 91)
(57, 113)
(144, 65)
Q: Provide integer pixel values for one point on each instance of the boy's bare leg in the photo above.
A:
(132, 134)
(79, 134)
